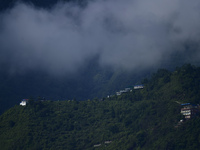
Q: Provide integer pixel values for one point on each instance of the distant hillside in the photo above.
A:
(142, 119)
(89, 82)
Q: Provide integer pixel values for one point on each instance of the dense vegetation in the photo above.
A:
(141, 119)
(89, 82)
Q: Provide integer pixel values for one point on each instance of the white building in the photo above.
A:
(24, 102)
(97, 145)
(107, 142)
(123, 91)
(138, 87)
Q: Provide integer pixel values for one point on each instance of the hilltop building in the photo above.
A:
(123, 91)
(138, 87)
(24, 102)
(97, 145)
(189, 110)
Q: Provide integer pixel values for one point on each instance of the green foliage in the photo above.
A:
(89, 82)
(141, 119)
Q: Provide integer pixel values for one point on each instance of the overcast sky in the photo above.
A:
(126, 34)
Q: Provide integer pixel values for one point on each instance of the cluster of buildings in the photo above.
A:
(24, 102)
(189, 110)
(123, 91)
(129, 89)
(105, 143)
(138, 87)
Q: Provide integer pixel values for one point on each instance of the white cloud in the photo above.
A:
(130, 34)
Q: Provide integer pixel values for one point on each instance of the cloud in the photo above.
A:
(128, 34)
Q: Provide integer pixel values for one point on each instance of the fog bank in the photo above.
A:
(127, 34)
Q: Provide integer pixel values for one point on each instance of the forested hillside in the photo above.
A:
(90, 82)
(82, 49)
(142, 119)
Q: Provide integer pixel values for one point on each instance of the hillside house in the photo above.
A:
(189, 110)
(123, 91)
(97, 145)
(108, 142)
(118, 93)
(138, 87)
(24, 102)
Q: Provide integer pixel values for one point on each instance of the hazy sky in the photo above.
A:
(124, 33)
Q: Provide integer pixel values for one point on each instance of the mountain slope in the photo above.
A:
(141, 119)
(90, 82)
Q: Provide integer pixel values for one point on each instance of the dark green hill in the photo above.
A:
(141, 119)
(90, 82)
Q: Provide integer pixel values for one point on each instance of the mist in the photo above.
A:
(128, 34)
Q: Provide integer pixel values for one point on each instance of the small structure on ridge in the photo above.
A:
(138, 87)
(123, 91)
(24, 102)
